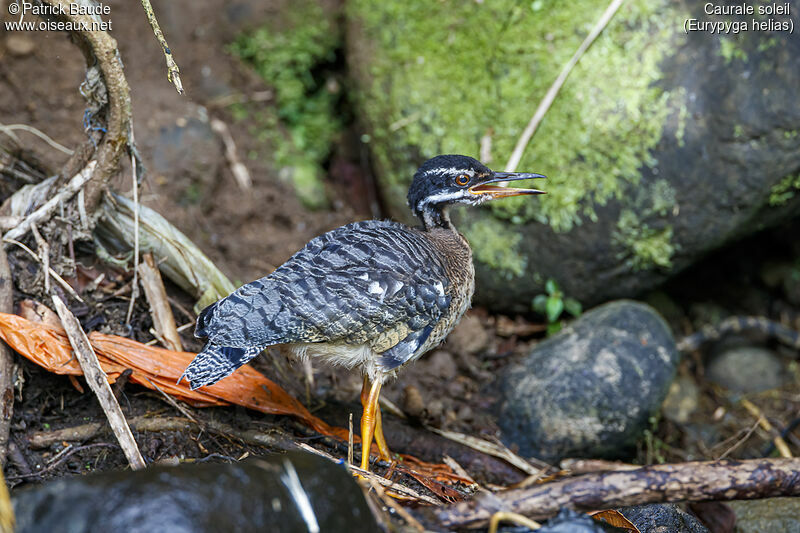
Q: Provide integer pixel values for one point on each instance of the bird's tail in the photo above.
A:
(215, 362)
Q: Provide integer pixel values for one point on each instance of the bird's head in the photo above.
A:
(458, 179)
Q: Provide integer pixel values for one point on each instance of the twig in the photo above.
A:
(160, 310)
(741, 441)
(6, 361)
(44, 212)
(398, 488)
(350, 441)
(65, 454)
(170, 400)
(694, 481)
(503, 516)
(83, 432)
(9, 128)
(489, 448)
(44, 256)
(238, 169)
(399, 509)
(7, 521)
(173, 72)
(780, 444)
(457, 468)
(135, 191)
(56, 276)
(547, 101)
(101, 51)
(98, 382)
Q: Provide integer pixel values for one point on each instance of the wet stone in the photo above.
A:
(253, 496)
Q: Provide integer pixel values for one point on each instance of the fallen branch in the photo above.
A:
(160, 310)
(694, 481)
(83, 432)
(6, 361)
(102, 51)
(98, 382)
(44, 212)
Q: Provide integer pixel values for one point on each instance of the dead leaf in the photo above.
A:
(614, 518)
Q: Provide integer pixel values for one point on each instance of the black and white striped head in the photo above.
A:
(450, 179)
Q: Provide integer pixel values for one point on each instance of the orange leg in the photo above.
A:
(371, 425)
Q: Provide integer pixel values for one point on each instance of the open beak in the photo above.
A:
(495, 188)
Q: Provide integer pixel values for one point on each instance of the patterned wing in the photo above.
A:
(352, 284)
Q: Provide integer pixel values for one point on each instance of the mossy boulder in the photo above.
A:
(660, 147)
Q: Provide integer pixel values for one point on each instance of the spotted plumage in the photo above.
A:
(373, 294)
(354, 285)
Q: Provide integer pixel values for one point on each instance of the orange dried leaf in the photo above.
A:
(614, 518)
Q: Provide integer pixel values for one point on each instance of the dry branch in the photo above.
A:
(101, 49)
(163, 320)
(43, 439)
(173, 72)
(98, 382)
(6, 361)
(694, 481)
(43, 213)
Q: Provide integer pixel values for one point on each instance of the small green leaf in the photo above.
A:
(551, 286)
(554, 308)
(553, 328)
(540, 303)
(573, 307)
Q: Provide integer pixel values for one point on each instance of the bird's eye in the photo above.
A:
(462, 179)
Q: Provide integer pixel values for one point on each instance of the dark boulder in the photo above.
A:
(590, 390)
(660, 147)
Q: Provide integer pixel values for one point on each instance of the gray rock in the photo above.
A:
(765, 516)
(746, 369)
(660, 147)
(252, 496)
(681, 401)
(569, 521)
(662, 518)
(590, 390)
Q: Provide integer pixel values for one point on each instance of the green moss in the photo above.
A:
(729, 49)
(463, 70)
(643, 247)
(784, 190)
(301, 127)
(497, 247)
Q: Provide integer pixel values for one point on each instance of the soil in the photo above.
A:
(248, 234)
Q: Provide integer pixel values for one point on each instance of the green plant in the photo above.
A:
(296, 57)
(553, 304)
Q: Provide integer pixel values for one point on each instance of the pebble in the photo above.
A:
(746, 369)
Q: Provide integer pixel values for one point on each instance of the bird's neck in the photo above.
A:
(436, 218)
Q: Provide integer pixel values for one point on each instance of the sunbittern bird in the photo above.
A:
(373, 294)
